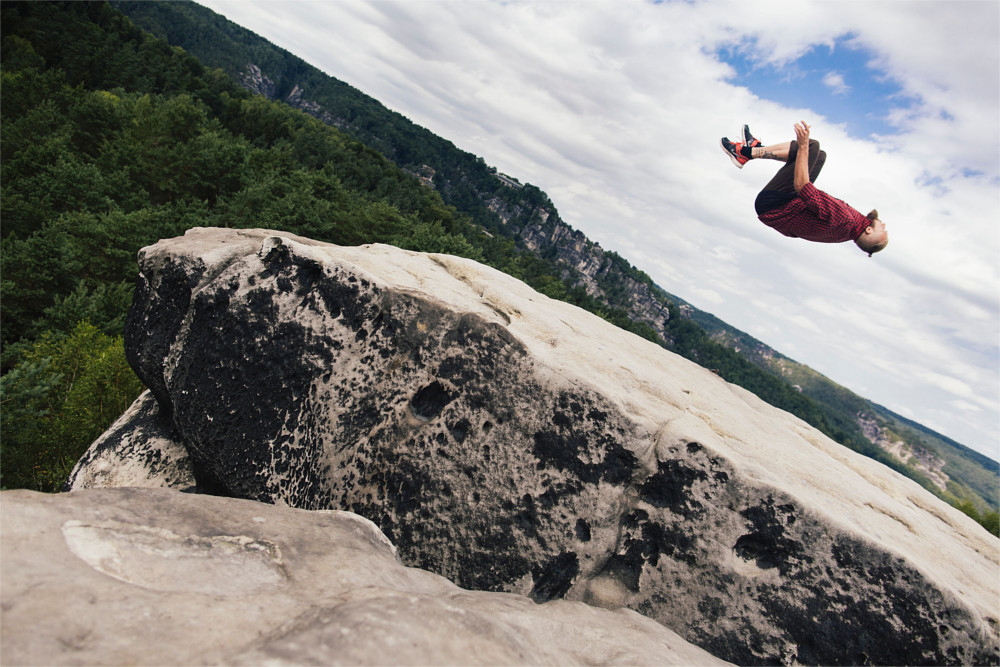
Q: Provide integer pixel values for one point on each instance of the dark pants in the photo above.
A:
(781, 189)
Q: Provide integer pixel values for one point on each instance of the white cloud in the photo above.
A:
(835, 82)
(615, 110)
(965, 406)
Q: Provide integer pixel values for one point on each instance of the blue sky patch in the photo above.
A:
(835, 82)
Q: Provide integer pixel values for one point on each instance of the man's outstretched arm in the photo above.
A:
(801, 175)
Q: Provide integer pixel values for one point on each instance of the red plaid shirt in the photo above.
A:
(816, 216)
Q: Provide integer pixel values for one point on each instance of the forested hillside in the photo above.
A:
(112, 139)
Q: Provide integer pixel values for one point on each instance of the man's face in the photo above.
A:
(876, 231)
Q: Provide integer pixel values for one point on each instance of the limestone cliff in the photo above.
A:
(515, 443)
(589, 266)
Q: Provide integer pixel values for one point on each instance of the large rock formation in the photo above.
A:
(158, 577)
(515, 443)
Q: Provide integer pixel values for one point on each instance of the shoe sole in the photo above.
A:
(731, 156)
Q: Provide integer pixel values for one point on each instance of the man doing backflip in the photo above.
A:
(791, 204)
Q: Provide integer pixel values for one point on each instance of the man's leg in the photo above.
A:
(781, 189)
(774, 151)
(784, 180)
(817, 166)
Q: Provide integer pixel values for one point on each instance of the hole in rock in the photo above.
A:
(428, 403)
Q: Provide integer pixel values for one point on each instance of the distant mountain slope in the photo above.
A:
(600, 280)
(953, 468)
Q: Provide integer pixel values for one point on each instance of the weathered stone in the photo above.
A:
(515, 443)
(140, 449)
(158, 577)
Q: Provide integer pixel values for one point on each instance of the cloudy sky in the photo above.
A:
(615, 110)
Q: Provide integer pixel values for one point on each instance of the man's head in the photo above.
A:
(874, 238)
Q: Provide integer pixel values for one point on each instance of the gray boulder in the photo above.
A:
(514, 443)
(157, 577)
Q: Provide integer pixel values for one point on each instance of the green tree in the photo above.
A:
(968, 508)
(991, 522)
(63, 394)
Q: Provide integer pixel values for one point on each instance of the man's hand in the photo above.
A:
(801, 174)
(802, 134)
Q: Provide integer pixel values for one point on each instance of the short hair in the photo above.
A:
(872, 249)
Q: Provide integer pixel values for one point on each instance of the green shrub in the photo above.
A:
(991, 522)
(64, 392)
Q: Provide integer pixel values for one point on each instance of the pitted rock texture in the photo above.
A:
(157, 577)
(514, 443)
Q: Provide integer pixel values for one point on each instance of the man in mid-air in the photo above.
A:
(791, 204)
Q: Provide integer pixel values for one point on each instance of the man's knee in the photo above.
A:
(816, 165)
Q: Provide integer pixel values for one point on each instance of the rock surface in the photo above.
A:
(158, 577)
(515, 443)
(140, 449)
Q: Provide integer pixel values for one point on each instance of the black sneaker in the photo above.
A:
(749, 139)
(733, 151)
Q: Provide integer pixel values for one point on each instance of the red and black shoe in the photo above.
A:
(733, 150)
(749, 139)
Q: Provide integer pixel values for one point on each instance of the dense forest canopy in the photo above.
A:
(112, 139)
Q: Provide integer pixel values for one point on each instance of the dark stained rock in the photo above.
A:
(513, 443)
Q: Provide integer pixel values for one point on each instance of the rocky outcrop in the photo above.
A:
(297, 99)
(515, 443)
(593, 269)
(254, 80)
(506, 212)
(157, 577)
(140, 449)
(922, 459)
